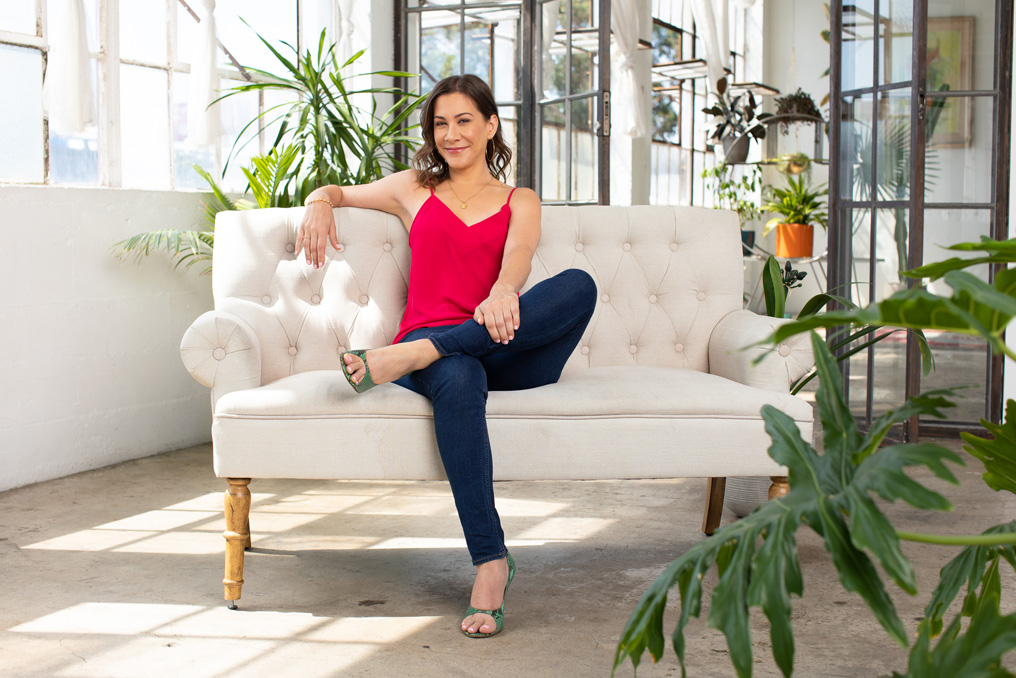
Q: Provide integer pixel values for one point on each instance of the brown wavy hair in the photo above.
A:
(431, 168)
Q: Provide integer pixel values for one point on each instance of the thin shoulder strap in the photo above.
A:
(432, 189)
(510, 196)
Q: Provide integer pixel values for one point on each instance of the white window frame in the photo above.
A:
(108, 95)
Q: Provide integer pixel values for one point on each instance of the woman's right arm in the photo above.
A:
(318, 227)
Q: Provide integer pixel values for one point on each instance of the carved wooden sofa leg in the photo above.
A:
(714, 504)
(779, 488)
(237, 534)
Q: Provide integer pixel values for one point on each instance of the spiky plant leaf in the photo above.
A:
(831, 493)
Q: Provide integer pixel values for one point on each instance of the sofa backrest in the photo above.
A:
(665, 275)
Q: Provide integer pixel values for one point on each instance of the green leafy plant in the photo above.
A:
(795, 107)
(833, 493)
(797, 203)
(188, 247)
(736, 194)
(338, 141)
(735, 117)
(777, 283)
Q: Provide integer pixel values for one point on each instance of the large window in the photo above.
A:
(140, 53)
(679, 150)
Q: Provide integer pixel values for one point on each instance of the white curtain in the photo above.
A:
(550, 12)
(346, 29)
(633, 112)
(204, 124)
(705, 22)
(67, 89)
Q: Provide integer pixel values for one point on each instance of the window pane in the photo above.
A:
(477, 56)
(894, 145)
(858, 50)
(143, 31)
(237, 111)
(21, 144)
(961, 49)
(584, 155)
(554, 151)
(509, 116)
(506, 29)
(960, 359)
(439, 47)
(897, 40)
(75, 159)
(959, 153)
(185, 155)
(144, 127)
(274, 20)
(18, 16)
(855, 159)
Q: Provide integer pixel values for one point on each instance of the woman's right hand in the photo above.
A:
(316, 230)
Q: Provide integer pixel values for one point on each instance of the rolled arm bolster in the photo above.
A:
(222, 352)
(783, 364)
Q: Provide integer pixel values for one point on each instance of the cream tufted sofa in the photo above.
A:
(657, 388)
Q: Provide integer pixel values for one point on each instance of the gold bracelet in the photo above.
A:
(306, 203)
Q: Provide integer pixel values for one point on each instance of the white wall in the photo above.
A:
(90, 370)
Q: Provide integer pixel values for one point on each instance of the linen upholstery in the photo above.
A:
(637, 398)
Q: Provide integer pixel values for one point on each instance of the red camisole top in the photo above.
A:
(453, 265)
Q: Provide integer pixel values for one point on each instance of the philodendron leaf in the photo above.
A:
(997, 453)
(825, 491)
(967, 567)
(975, 653)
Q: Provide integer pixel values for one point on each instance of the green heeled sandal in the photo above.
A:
(367, 382)
(497, 614)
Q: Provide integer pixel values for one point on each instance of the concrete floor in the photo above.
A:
(116, 572)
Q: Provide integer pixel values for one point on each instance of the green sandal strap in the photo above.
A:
(498, 616)
(367, 382)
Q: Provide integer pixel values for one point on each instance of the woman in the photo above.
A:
(465, 329)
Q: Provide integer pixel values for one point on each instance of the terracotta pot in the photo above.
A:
(794, 240)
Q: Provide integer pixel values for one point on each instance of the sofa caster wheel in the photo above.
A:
(231, 604)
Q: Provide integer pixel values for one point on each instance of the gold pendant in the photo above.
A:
(463, 206)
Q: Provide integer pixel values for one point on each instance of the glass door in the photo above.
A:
(920, 111)
(573, 92)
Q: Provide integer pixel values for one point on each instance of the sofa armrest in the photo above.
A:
(222, 352)
(731, 357)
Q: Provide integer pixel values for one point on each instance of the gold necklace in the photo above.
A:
(463, 204)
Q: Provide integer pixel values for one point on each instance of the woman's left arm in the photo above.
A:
(499, 312)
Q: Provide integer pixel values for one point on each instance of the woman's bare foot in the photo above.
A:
(391, 362)
(488, 594)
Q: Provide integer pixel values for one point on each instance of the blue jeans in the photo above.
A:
(552, 316)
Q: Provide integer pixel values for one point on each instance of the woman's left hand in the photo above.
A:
(499, 313)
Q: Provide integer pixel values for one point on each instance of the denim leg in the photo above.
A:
(457, 385)
(557, 308)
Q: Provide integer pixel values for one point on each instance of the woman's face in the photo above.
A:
(460, 131)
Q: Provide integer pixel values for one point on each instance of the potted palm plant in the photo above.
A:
(801, 207)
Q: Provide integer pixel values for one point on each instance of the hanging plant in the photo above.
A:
(796, 107)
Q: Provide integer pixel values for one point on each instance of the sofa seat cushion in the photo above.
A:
(600, 422)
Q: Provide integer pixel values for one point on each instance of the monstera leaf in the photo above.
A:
(832, 493)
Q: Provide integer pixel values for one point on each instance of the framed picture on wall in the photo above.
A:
(951, 68)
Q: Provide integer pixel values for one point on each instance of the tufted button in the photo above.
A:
(584, 350)
(604, 298)
(626, 247)
(652, 298)
(678, 347)
(387, 247)
(579, 247)
(363, 300)
(701, 296)
(292, 350)
(340, 350)
(316, 299)
(219, 353)
(633, 349)
(673, 247)
(290, 248)
(266, 300)
(784, 350)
